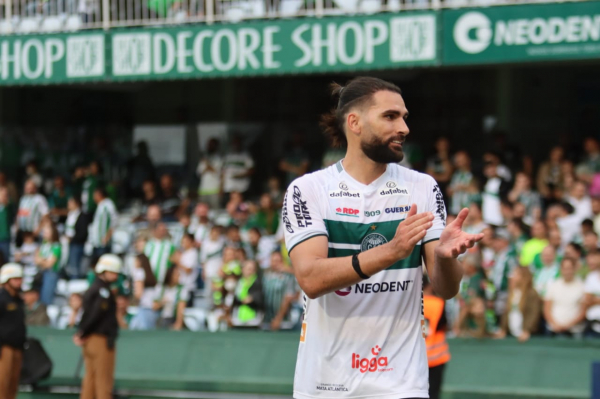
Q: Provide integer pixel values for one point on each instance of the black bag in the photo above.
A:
(36, 363)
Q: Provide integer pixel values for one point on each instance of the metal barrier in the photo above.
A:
(35, 16)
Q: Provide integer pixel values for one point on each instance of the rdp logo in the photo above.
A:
(347, 212)
(344, 292)
(371, 365)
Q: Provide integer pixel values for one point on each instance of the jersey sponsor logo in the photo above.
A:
(391, 184)
(343, 186)
(393, 191)
(303, 332)
(344, 292)
(440, 209)
(376, 288)
(300, 209)
(284, 215)
(372, 240)
(344, 194)
(347, 212)
(332, 387)
(398, 209)
(370, 214)
(371, 365)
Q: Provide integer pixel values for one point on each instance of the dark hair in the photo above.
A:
(169, 275)
(576, 247)
(150, 279)
(356, 92)
(589, 223)
(189, 236)
(76, 199)
(520, 224)
(102, 191)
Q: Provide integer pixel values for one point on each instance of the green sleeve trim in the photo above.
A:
(307, 238)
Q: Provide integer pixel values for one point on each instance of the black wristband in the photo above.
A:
(356, 267)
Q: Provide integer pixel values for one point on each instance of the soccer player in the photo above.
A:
(357, 232)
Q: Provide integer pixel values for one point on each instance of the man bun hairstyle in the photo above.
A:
(356, 92)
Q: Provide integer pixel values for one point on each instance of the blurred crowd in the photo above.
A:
(215, 258)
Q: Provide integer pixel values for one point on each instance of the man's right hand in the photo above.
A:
(412, 230)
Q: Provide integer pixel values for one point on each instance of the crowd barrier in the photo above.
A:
(257, 364)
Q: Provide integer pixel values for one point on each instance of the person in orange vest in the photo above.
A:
(438, 353)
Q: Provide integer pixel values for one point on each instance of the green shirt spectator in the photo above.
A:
(48, 249)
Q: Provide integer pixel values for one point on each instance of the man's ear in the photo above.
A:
(353, 121)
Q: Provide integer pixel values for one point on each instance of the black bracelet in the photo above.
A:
(356, 267)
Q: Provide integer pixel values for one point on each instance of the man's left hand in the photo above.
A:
(453, 240)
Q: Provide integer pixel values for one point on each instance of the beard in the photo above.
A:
(379, 151)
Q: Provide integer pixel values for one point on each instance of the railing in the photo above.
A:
(29, 16)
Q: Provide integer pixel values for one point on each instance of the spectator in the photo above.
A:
(159, 251)
(566, 221)
(493, 158)
(144, 290)
(35, 311)
(535, 245)
(153, 217)
(209, 171)
(48, 260)
(439, 166)
(471, 298)
(590, 242)
(32, 173)
(280, 289)
(150, 194)
(170, 201)
(267, 217)
(6, 219)
(591, 162)
(547, 271)
(295, 163)
(32, 208)
(463, 187)
(591, 299)
(225, 281)
(493, 191)
(580, 201)
(76, 230)
(564, 310)
(171, 301)
(238, 167)
(187, 262)
(524, 307)
(58, 201)
(182, 228)
(211, 257)
(13, 195)
(233, 237)
(332, 155)
(518, 236)
(474, 223)
(550, 178)
(522, 193)
(596, 213)
(275, 192)
(25, 255)
(104, 223)
(248, 301)
(140, 169)
(504, 263)
(260, 248)
(123, 315)
(202, 224)
(76, 309)
(92, 177)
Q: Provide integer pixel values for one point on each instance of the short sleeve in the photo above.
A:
(435, 205)
(249, 161)
(43, 205)
(591, 286)
(550, 292)
(184, 296)
(139, 274)
(301, 215)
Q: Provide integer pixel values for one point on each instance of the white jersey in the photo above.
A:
(365, 341)
(32, 208)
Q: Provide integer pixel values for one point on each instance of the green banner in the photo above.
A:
(61, 58)
(521, 33)
(288, 46)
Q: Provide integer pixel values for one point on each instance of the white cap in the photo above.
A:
(10, 270)
(109, 263)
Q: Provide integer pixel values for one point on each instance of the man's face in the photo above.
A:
(161, 231)
(59, 183)
(30, 187)
(97, 197)
(202, 210)
(548, 255)
(15, 283)
(31, 297)
(567, 271)
(111, 277)
(153, 214)
(383, 127)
